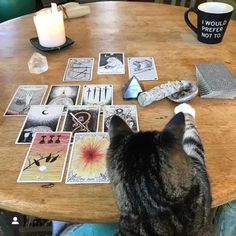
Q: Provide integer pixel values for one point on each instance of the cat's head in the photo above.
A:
(173, 131)
(132, 156)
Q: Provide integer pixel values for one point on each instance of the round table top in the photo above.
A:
(138, 30)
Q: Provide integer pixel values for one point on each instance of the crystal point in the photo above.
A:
(132, 88)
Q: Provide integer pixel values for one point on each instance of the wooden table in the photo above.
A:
(137, 29)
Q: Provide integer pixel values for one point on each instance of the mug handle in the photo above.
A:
(190, 25)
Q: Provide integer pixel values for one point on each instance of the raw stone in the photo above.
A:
(37, 63)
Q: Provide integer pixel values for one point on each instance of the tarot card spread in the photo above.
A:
(88, 159)
(111, 63)
(79, 69)
(46, 158)
(80, 119)
(127, 112)
(24, 97)
(41, 118)
(63, 95)
(97, 94)
(142, 67)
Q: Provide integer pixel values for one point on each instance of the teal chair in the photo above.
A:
(13, 8)
(184, 3)
(195, 3)
(232, 3)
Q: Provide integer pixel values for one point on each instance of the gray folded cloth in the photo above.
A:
(215, 81)
(70, 10)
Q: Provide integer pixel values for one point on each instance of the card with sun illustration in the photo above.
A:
(88, 159)
(46, 158)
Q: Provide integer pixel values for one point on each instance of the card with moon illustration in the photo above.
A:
(46, 158)
(143, 68)
(127, 112)
(24, 97)
(111, 63)
(97, 94)
(88, 159)
(79, 69)
(66, 95)
(81, 119)
(40, 118)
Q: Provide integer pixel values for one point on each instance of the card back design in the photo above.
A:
(46, 158)
(66, 95)
(111, 63)
(126, 112)
(41, 118)
(24, 97)
(88, 159)
(79, 69)
(143, 68)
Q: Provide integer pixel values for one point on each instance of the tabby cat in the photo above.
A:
(159, 179)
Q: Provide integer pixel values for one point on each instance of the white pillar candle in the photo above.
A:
(50, 27)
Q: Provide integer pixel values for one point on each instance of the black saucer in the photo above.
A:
(35, 43)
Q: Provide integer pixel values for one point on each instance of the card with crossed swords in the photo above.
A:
(79, 69)
(81, 119)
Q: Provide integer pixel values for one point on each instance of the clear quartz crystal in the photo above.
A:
(37, 63)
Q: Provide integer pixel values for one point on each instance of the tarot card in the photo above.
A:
(111, 63)
(80, 119)
(88, 159)
(97, 94)
(24, 97)
(46, 158)
(142, 67)
(127, 112)
(66, 95)
(40, 118)
(79, 69)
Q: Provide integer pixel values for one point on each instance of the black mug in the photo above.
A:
(213, 18)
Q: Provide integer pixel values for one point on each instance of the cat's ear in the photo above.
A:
(118, 127)
(176, 171)
(175, 127)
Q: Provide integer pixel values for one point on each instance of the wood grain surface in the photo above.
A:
(137, 29)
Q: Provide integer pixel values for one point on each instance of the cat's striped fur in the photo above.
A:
(159, 179)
